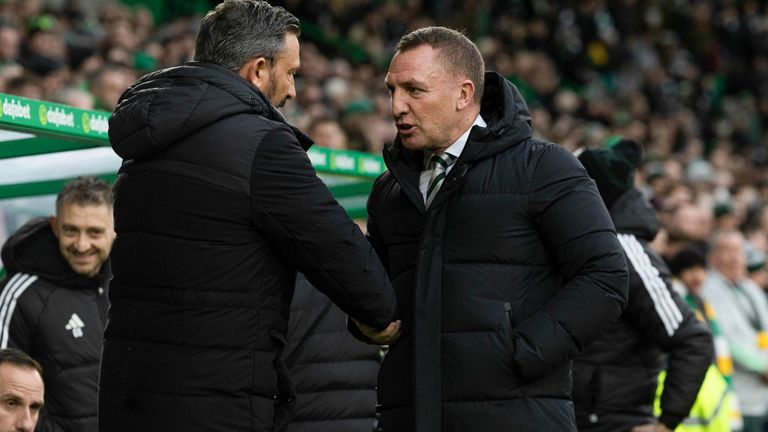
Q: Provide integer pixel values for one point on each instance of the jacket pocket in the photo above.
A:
(508, 336)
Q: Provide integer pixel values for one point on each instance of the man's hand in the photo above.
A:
(651, 427)
(388, 336)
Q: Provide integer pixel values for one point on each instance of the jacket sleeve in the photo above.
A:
(575, 227)
(292, 207)
(667, 321)
(18, 310)
(373, 235)
(374, 238)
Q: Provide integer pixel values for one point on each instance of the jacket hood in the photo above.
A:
(169, 105)
(34, 249)
(632, 214)
(506, 115)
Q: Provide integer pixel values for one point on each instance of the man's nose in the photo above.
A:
(399, 105)
(82, 243)
(292, 90)
(25, 421)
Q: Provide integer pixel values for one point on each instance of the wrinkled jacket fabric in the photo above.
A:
(334, 374)
(56, 316)
(512, 270)
(216, 207)
(615, 378)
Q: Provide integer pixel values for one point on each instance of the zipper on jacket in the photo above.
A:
(508, 316)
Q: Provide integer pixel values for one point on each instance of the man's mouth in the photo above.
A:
(83, 258)
(404, 127)
(79, 256)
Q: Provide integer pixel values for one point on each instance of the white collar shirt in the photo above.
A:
(454, 149)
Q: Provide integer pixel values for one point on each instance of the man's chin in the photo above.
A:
(278, 104)
(85, 270)
(412, 144)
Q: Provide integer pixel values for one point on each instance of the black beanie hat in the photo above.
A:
(613, 168)
(686, 258)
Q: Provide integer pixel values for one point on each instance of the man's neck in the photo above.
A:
(461, 127)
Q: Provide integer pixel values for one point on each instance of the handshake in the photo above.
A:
(388, 336)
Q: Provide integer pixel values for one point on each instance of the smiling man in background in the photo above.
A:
(53, 300)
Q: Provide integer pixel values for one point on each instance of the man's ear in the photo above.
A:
(255, 71)
(466, 94)
(54, 225)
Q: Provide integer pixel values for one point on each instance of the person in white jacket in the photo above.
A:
(742, 310)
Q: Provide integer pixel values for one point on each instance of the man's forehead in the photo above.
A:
(418, 64)
(415, 58)
(291, 50)
(85, 209)
(22, 382)
(96, 215)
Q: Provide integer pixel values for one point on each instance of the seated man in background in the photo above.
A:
(742, 312)
(21, 391)
(54, 299)
(717, 407)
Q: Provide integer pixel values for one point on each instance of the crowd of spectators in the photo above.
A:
(686, 79)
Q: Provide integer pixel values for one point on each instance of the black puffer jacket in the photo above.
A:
(56, 316)
(216, 208)
(514, 268)
(615, 378)
(334, 374)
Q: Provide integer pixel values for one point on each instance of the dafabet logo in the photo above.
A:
(15, 109)
(56, 116)
(97, 123)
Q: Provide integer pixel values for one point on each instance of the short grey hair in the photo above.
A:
(458, 54)
(84, 191)
(237, 31)
(719, 236)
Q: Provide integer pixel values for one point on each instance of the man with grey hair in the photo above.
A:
(742, 314)
(217, 206)
(53, 303)
(504, 259)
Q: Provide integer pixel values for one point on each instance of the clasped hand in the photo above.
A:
(388, 336)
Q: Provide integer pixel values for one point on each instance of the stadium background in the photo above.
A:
(686, 79)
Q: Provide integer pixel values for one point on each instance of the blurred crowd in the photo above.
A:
(686, 79)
